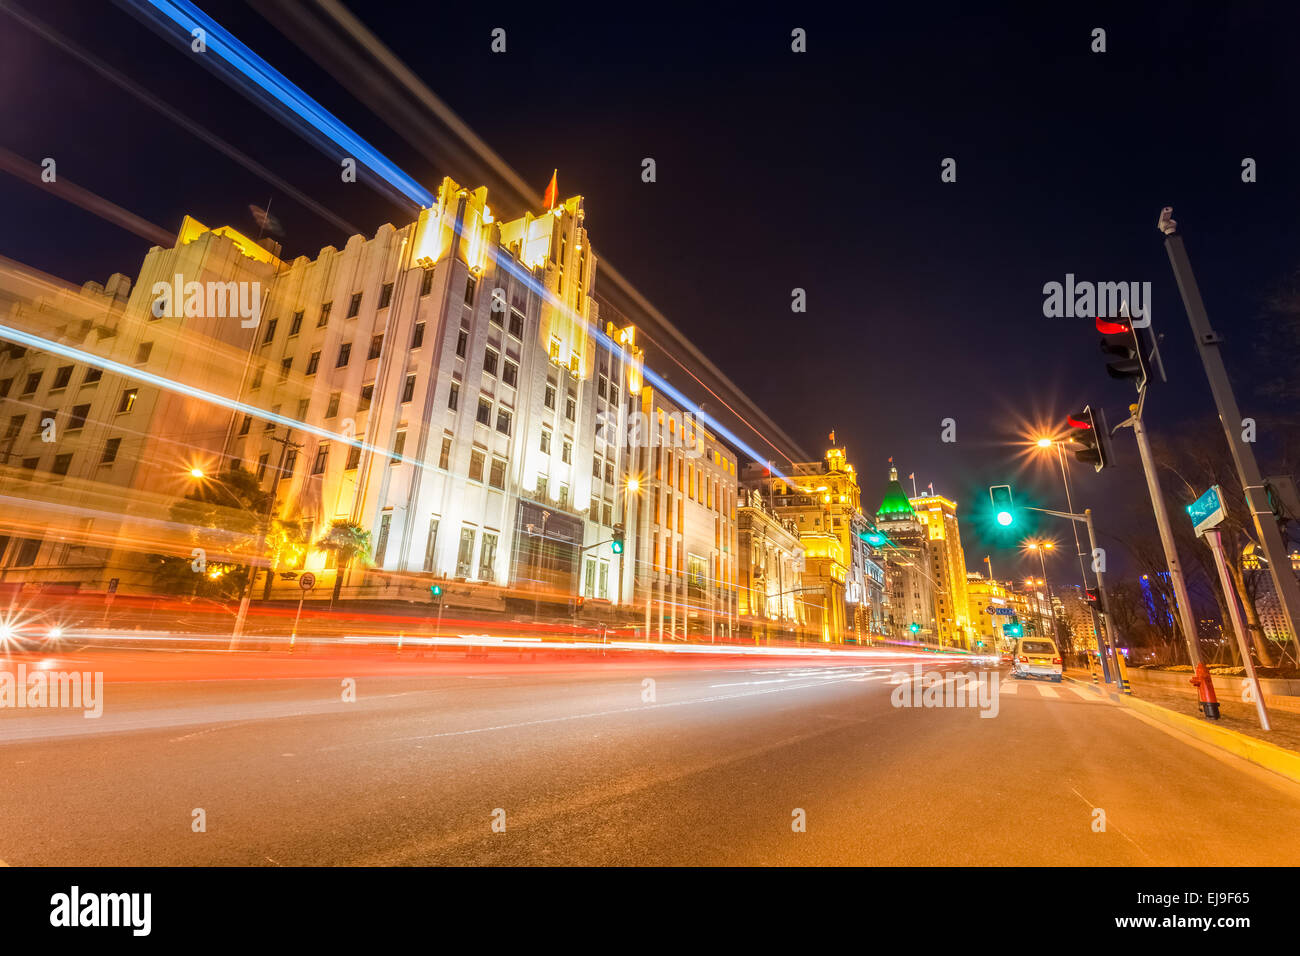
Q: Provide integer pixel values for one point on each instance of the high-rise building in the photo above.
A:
(938, 515)
(910, 584)
(1271, 618)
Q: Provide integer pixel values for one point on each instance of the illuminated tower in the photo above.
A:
(909, 582)
(947, 567)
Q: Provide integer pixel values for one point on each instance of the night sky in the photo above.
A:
(777, 170)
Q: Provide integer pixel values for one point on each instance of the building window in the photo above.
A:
(550, 396)
(367, 396)
(602, 386)
(385, 295)
(354, 306)
(564, 496)
(399, 447)
(476, 459)
(324, 315)
(345, 354)
(286, 365)
(408, 390)
(566, 452)
(444, 456)
(417, 339)
(465, 553)
(510, 374)
(313, 362)
(470, 285)
(322, 457)
(546, 441)
(613, 394)
(609, 472)
(503, 421)
(303, 404)
(262, 461)
(33, 383)
(453, 396)
(110, 451)
(246, 424)
(381, 545)
(270, 423)
(78, 417)
(462, 343)
(127, 401)
(27, 552)
(354, 458)
(516, 324)
(426, 283)
(607, 513)
(595, 467)
(93, 375)
(256, 381)
(376, 346)
(61, 464)
(63, 374)
(431, 542)
(295, 324)
(269, 336)
(290, 461)
(484, 415)
(497, 475)
(332, 408)
(571, 410)
(487, 557)
(543, 486)
(490, 357)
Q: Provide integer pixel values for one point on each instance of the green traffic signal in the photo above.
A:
(435, 590)
(914, 628)
(1003, 508)
(616, 542)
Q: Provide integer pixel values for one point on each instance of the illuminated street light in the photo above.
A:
(197, 472)
(1044, 443)
(633, 484)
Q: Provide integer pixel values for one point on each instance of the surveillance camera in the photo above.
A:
(1166, 223)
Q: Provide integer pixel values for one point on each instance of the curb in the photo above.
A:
(1281, 761)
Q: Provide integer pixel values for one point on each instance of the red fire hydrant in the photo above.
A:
(1205, 691)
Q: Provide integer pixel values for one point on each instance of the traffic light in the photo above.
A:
(1003, 508)
(914, 628)
(1120, 340)
(1084, 431)
(616, 542)
(435, 591)
(1094, 598)
(1013, 629)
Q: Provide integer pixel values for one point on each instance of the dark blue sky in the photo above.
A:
(778, 170)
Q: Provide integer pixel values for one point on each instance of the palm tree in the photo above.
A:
(350, 542)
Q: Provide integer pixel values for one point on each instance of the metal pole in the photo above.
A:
(1166, 537)
(1238, 623)
(293, 635)
(1252, 483)
(1108, 643)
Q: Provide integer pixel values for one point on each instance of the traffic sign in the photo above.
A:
(1000, 610)
(307, 581)
(1207, 511)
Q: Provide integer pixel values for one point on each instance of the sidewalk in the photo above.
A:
(1234, 714)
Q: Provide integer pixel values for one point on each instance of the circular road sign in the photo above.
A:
(307, 581)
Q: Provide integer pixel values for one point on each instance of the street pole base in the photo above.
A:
(1211, 709)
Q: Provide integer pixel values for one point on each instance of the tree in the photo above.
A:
(350, 543)
(223, 515)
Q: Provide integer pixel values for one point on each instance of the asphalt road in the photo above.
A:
(589, 771)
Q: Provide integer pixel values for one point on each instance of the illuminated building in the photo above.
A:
(770, 560)
(1077, 616)
(1267, 605)
(989, 608)
(910, 583)
(938, 515)
(684, 524)
(86, 506)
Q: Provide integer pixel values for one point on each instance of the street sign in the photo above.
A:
(1000, 610)
(1207, 511)
(307, 581)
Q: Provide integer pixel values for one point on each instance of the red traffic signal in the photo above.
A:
(1084, 431)
(1094, 598)
(1127, 359)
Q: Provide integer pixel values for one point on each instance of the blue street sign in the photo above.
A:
(1207, 511)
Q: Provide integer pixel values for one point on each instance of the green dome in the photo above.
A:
(895, 503)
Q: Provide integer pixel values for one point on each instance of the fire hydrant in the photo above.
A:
(1205, 691)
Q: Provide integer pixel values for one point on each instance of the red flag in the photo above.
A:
(552, 192)
(832, 437)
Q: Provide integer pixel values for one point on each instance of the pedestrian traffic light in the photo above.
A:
(616, 542)
(435, 591)
(1119, 339)
(1084, 431)
(1003, 508)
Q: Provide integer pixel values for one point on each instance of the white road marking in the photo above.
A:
(1048, 692)
(1009, 688)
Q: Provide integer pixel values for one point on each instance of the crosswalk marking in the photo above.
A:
(1048, 692)
(1012, 687)
(1085, 694)
(1009, 688)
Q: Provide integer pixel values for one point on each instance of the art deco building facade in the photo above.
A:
(938, 515)
(770, 559)
(910, 582)
(989, 610)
